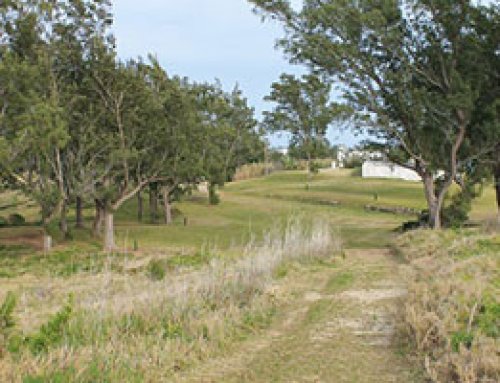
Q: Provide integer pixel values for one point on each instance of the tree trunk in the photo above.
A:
(497, 189)
(153, 203)
(109, 231)
(309, 170)
(167, 206)
(99, 218)
(47, 243)
(47, 238)
(63, 223)
(79, 212)
(432, 200)
(140, 207)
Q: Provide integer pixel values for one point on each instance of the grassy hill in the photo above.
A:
(250, 207)
(246, 284)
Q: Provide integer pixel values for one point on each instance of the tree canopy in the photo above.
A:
(77, 124)
(418, 75)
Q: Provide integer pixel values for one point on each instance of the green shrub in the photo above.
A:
(173, 329)
(51, 333)
(16, 220)
(213, 197)
(457, 212)
(156, 269)
(353, 163)
(461, 337)
(488, 320)
(314, 167)
(3, 221)
(7, 322)
(199, 258)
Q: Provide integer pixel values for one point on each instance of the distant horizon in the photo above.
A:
(206, 40)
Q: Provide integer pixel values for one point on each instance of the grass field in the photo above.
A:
(250, 207)
(242, 275)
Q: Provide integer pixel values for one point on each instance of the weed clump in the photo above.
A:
(157, 269)
(6, 322)
(154, 329)
(53, 332)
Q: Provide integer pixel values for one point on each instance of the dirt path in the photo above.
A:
(340, 326)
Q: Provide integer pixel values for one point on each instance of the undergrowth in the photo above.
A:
(453, 308)
(150, 326)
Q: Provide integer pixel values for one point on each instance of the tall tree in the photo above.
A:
(303, 108)
(411, 71)
(229, 127)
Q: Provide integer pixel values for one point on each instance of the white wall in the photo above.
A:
(381, 169)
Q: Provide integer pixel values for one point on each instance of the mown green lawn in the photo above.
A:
(251, 208)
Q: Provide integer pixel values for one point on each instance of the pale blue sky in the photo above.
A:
(208, 39)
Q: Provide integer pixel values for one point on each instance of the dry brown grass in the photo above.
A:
(453, 308)
(127, 327)
(250, 171)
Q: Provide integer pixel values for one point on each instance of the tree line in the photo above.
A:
(79, 126)
(421, 77)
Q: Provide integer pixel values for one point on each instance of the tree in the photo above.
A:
(132, 156)
(179, 136)
(303, 109)
(229, 129)
(411, 72)
(42, 60)
(33, 123)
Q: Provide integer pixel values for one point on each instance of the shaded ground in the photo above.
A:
(340, 325)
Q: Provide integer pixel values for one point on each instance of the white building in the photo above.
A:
(384, 169)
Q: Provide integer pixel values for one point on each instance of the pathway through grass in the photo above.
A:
(339, 325)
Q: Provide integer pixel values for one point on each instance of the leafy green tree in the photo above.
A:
(303, 108)
(179, 134)
(412, 73)
(33, 120)
(229, 131)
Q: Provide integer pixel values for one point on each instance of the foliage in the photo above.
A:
(52, 333)
(453, 320)
(6, 321)
(213, 196)
(304, 110)
(78, 124)
(156, 269)
(408, 75)
(173, 325)
(353, 163)
(16, 219)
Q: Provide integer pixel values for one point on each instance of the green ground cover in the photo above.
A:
(249, 208)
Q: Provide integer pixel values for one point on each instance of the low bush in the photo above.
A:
(250, 171)
(16, 220)
(353, 163)
(6, 322)
(157, 269)
(213, 196)
(452, 313)
(157, 328)
(52, 333)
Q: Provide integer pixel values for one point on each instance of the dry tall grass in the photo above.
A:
(250, 171)
(135, 329)
(453, 308)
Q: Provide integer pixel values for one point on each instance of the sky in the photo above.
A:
(207, 40)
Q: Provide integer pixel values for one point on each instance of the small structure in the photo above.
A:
(385, 169)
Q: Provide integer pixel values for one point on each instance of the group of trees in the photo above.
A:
(302, 108)
(79, 126)
(421, 76)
